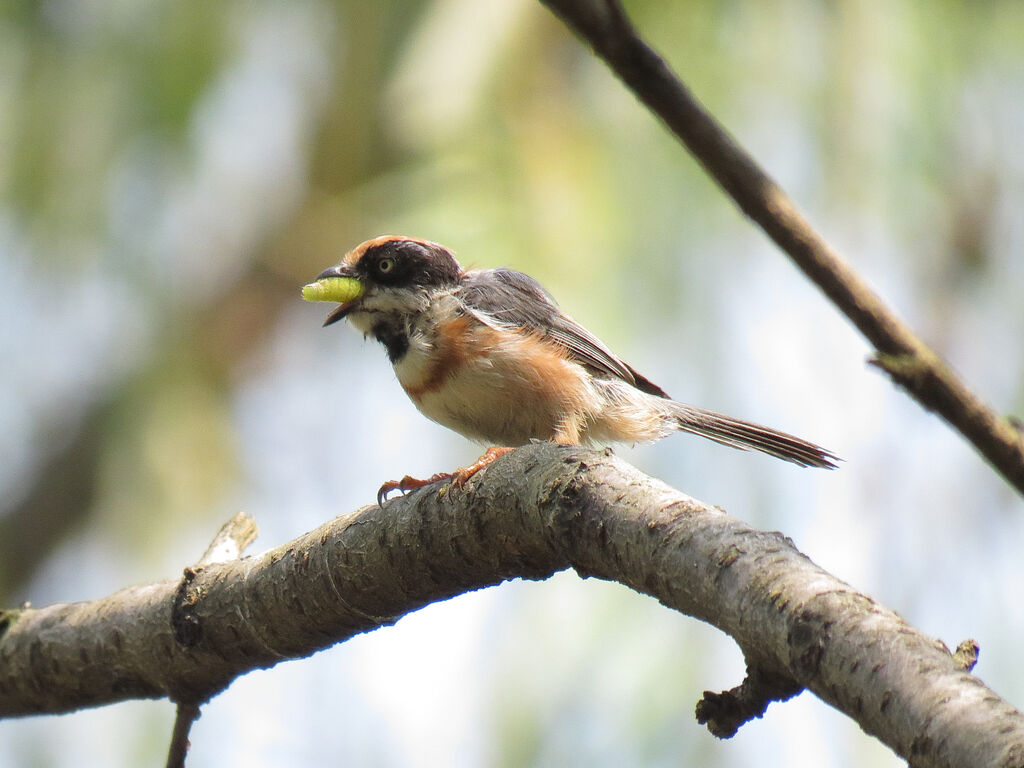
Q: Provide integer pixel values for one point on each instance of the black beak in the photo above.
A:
(336, 271)
(336, 315)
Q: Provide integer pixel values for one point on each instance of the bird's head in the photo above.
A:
(383, 278)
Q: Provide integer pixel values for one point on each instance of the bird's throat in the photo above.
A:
(395, 339)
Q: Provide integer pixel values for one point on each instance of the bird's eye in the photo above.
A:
(385, 265)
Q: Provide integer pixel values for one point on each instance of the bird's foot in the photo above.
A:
(459, 477)
(407, 484)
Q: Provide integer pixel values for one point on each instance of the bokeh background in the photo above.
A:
(172, 171)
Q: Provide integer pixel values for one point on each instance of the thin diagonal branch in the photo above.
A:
(184, 718)
(536, 511)
(909, 361)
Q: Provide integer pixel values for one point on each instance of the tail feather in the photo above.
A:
(745, 435)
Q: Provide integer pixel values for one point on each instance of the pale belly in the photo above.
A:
(499, 397)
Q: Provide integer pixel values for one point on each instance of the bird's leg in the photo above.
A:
(458, 477)
(461, 475)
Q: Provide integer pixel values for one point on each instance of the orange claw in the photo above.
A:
(458, 477)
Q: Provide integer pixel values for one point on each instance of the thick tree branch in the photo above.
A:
(536, 511)
(909, 361)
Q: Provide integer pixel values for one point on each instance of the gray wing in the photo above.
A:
(506, 297)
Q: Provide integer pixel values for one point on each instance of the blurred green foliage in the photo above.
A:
(172, 172)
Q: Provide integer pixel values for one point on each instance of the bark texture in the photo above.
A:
(538, 510)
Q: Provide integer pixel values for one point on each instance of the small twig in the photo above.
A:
(724, 713)
(228, 544)
(231, 540)
(909, 362)
(187, 714)
(966, 654)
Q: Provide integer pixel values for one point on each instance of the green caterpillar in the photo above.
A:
(339, 289)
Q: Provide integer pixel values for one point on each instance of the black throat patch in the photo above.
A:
(394, 338)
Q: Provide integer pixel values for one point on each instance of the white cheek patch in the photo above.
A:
(382, 303)
(396, 301)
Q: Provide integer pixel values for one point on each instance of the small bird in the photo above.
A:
(488, 354)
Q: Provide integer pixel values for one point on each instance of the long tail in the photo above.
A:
(745, 435)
